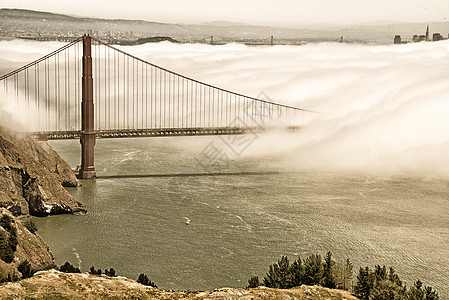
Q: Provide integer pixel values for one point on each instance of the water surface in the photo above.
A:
(242, 222)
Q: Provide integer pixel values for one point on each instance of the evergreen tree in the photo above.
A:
(393, 277)
(313, 269)
(143, 279)
(94, 272)
(431, 294)
(347, 275)
(69, 268)
(416, 292)
(297, 273)
(380, 273)
(365, 283)
(278, 275)
(328, 276)
(110, 272)
(253, 282)
(386, 290)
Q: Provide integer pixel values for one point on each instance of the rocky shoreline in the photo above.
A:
(32, 181)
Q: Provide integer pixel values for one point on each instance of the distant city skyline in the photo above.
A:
(261, 12)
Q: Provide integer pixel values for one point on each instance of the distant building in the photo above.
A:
(419, 38)
(437, 37)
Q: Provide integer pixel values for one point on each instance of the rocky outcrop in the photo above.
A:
(30, 246)
(54, 284)
(32, 176)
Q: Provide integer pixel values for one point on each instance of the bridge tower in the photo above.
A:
(87, 138)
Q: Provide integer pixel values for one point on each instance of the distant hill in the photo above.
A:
(223, 23)
(29, 23)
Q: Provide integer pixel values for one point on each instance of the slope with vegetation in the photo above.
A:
(314, 270)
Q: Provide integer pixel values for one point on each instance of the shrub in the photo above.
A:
(143, 279)
(5, 222)
(110, 272)
(94, 272)
(6, 251)
(253, 282)
(8, 277)
(25, 268)
(12, 240)
(31, 226)
(69, 268)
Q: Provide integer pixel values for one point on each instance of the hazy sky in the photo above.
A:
(264, 12)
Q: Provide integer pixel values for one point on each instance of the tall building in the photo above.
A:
(397, 39)
(427, 34)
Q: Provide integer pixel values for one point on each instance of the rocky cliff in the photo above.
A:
(56, 285)
(32, 176)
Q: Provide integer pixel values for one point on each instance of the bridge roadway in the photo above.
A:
(159, 132)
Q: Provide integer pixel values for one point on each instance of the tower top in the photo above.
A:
(427, 33)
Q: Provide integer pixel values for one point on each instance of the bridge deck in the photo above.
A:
(161, 132)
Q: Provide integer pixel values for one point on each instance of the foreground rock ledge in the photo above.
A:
(56, 285)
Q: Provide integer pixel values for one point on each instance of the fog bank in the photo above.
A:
(382, 108)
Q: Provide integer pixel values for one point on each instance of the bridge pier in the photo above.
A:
(87, 138)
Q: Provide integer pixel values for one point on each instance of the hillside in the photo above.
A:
(43, 25)
(54, 284)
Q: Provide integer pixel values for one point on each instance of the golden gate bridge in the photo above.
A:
(89, 89)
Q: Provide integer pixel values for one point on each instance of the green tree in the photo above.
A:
(431, 294)
(416, 292)
(313, 269)
(253, 282)
(69, 268)
(347, 275)
(143, 279)
(110, 272)
(25, 268)
(94, 272)
(386, 290)
(393, 277)
(365, 283)
(328, 276)
(380, 273)
(297, 273)
(278, 275)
